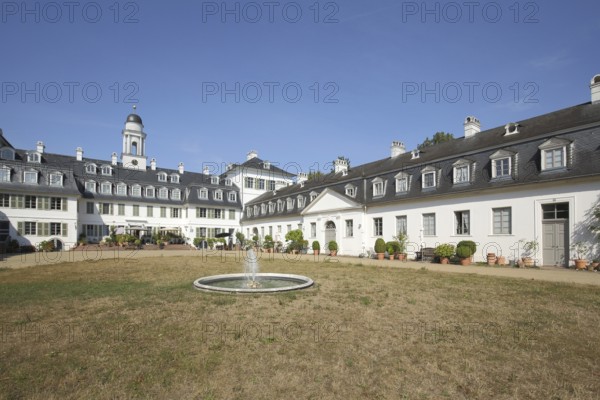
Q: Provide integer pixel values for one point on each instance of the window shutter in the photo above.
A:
(20, 228)
(64, 229)
(64, 203)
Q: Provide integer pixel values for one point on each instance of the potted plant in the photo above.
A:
(316, 246)
(465, 250)
(297, 238)
(240, 240)
(392, 248)
(138, 243)
(160, 243)
(401, 239)
(444, 251)
(380, 248)
(333, 248)
(579, 249)
(529, 250)
(268, 243)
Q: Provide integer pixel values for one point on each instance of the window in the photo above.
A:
(300, 202)
(106, 208)
(89, 207)
(313, 229)
(121, 209)
(554, 153)
(501, 167)
(174, 178)
(136, 191)
(55, 179)
(461, 171)
(272, 185)
(428, 179)
(200, 212)
(271, 230)
(429, 224)
(249, 183)
(271, 208)
(136, 210)
(218, 195)
(58, 203)
(401, 225)
(150, 192)
(90, 186)
(149, 211)
(33, 157)
(279, 206)
(7, 154)
(90, 168)
(401, 183)
(16, 201)
(30, 228)
(176, 194)
(462, 222)
(231, 214)
(290, 204)
(30, 202)
(106, 188)
(261, 184)
(378, 187)
(30, 177)
(378, 226)
(256, 209)
(4, 174)
(162, 177)
(175, 212)
(163, 193)
(163, 212)
(4, 200)
(214, 180)
(248, 212)
(502, 221)
(313, 195)
(122, 189)
(350, 190)
(349, 228)
(263, 209)
(55, 228)
(228, 182)
(555, 211)
(203, 194)
(106, 170)
(289, 228)
(232, 197)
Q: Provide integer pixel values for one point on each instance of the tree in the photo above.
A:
(315, 175)
(439, 137)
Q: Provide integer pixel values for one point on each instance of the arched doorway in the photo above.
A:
(58, 244)
(330, 232)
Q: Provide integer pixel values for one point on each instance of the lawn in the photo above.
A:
(137, 329)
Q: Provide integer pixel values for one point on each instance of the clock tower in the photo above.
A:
(134, 143)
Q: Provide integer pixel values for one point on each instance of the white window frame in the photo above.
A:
(163, 193)
(4, 151)
(501, 156)
(377, 226)
(162, 176)
(106, 188)
(290, 203)
(176, 194)
(203, 194)
(58, 182)
(30, 177)
(34, 157)
(90, 168)
(106, 170)
(271, 208)
(218, 195)
(350, 190)
(90, 186)
(425, 173)
(501, 229)
(5, 174)
(300, 201)
(457, 176)
(378, 187)
(459, 223)
(402, 182)
(174, 178)
(552, 146)
(149, 192)
(426, 225)
(121, 189)
(232, 197)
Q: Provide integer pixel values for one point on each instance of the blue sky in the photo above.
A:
(369, 72)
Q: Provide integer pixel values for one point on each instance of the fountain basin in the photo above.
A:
(238, 283)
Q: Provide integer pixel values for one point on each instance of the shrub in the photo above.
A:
(463, 251)
(268, 242)
(380, 246)
(332, 246)
(198, 241)
(393, 247)
(470, 244)
(316, 245)
(402, 239)
(444, 250)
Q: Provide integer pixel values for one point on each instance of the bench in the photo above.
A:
(426, 254)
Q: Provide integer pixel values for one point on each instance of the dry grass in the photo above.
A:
(137, 329)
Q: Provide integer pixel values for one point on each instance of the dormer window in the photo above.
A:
(214, 180)
(256, 209)
(300, 201)
(203, 194)
(90, 186)
(461, 171)
(313, 195)
(415, 154)
(266, 165)
(511, 128)
(554, 153)
(502, 164)
(33, 157)
(162, 177)
(232, 197)
(55, 179)
(290, 203)
(428, 178)
(30, 177)
(7, 154)
(279, 206)
(121, 189)
(136, 191)
(271, 208)
(176, 194)
(249, 212)
(218, 195)
(106, 188)
(174, 178)
(402, 181)
(378, 187)
(163, 193)
(350, 190)
(149, 192)
(106, 170)
(263, 209)
(90, 168)
(5, 174)
(228, 182)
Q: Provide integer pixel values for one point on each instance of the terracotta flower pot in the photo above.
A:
(580, 264)
(444, 260)
(333, 253)
(528, 262)
(380, 256)
(465, 261)
(401, 256)
(391, 256)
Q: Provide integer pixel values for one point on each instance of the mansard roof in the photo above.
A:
(259, 164)
(578, 125)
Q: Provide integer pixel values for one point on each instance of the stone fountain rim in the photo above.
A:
(201, 283)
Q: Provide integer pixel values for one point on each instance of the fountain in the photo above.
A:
(252, 281)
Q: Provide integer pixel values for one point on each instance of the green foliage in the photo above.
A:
(444, 250)
(402, 239)
(315, 176)
(240, 237)
(316, 245)
(380, 246)
(393, 247)
(295, 236)
(439, 137)
(211, 242)
(463, 251)
(46, 245)
(579, 250)
(198, 241)
(268, 244)
(332, 246)
(470, 245)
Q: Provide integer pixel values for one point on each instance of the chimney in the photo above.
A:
(114, 158)
(301, 178)
(206, 170)
(397, 149)
(472, 126)
(252, 154)
(511, 128)
(79, 154)
(153, 164)
(181, 168)
(340, 165)
(595, 87)
(40, 147)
